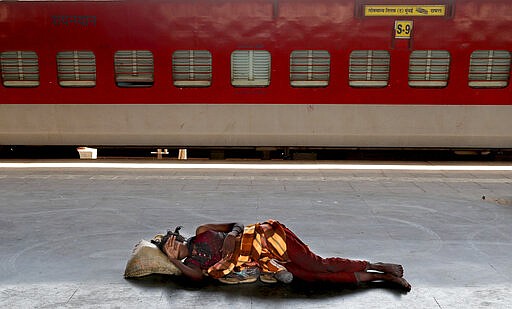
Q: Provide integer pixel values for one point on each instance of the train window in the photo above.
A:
(310, 68)
(76, 68)
(429, 68)
(19, 68)
(489, 69)
(250, 68)
(369, 68)
(134, 68)
(192, 68)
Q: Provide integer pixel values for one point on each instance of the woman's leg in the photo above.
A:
(308, 266)
(313, 276)
(303, 259)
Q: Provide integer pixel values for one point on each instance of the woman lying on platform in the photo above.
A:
(224, 250)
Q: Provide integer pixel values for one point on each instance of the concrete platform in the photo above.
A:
(66, 231)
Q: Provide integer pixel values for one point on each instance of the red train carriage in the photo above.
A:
(324, 73)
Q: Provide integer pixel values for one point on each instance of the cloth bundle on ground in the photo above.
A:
(147, 259)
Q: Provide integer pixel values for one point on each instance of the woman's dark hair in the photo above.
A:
(161, 242)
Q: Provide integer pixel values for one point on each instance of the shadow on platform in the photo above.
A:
(296, 290)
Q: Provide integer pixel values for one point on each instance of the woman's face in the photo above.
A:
(175, 249)
(183, 250)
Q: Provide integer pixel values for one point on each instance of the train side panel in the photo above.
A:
(337, 115)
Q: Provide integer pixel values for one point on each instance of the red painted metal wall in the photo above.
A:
(223, 26)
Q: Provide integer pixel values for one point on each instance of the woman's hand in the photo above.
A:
(172, 248)
(228, 247)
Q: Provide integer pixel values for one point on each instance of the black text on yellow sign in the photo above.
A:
(405, 10)
(403, 29)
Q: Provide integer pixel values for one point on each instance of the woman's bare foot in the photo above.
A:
(401, 282)
(393, 269)
(374, 276)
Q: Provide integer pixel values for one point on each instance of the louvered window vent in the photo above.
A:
(76, 68)
(369, 68)
(134, 68)
(310, 68)
(250, 68)
(19, 69)
(489, 69)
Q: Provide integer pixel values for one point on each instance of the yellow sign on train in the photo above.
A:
(403, 29)
(405, 10)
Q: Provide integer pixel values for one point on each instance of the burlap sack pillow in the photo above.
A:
(147, 259)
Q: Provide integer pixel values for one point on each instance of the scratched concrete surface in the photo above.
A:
(66, 234)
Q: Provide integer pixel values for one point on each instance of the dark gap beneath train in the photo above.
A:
(262, 153)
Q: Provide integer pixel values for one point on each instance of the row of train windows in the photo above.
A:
(251, 68)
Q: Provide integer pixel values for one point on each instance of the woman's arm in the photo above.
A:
(233, 229)
(193, 273)
(236, 228)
